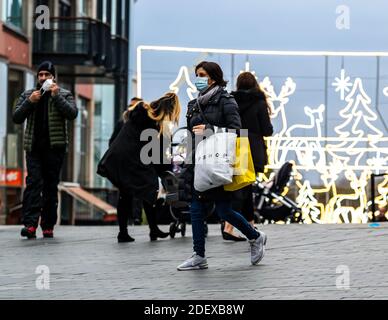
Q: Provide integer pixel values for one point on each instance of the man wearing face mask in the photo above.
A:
(47, 108)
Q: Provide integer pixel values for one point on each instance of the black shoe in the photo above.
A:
(231, 237)
(29, 232)
(154, 235)
(124, 237)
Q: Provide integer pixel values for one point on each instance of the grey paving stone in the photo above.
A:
(301, 263)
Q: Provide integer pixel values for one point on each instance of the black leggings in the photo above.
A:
(124, 208)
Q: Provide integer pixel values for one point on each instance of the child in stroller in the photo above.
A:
(269, 201)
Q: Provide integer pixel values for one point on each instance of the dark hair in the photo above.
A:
(247, 81)
(214, 71)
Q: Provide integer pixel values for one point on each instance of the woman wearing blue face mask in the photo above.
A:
(213, 107)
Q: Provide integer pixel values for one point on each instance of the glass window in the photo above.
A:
(83, 8)
(103, 125)
(114, 17)
(103, 10)
(123, 18)
(14, 131)
(13, 10)
(64, 8)
(81, 143)
(3, 112)
(3, 10)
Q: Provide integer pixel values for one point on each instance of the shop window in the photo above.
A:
(14, 153)
(81, 156)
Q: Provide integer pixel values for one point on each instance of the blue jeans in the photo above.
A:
(225, 212)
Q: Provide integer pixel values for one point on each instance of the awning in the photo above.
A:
(74, 190)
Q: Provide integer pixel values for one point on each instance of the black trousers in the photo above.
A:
(243, 203)
(40, 198)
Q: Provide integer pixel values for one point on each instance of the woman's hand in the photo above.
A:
(199, 130)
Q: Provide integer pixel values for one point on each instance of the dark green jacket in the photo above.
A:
(61, 109)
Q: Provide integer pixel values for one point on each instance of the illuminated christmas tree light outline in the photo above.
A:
(183, 76)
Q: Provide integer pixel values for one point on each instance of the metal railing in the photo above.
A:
(75, 36)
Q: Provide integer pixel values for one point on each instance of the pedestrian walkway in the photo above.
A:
(302, 262)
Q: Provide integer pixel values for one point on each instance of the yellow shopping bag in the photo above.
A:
(244, 170)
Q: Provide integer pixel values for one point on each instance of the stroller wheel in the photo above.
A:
(297, 217)
(183, 229)
(172, 230)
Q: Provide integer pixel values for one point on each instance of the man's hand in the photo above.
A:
(199, 130)
(35, 97)
(54, 90)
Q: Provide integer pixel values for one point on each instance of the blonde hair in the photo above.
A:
(164, 111)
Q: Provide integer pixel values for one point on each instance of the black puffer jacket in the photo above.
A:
(253, 109)
(61, 108)
(122, 163)
(220, 111)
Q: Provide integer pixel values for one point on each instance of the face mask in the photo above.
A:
(201, 83)
(46, 85)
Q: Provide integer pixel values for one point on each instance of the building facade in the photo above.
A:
(88, 42)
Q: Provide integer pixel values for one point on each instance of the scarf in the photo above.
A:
(203, 98)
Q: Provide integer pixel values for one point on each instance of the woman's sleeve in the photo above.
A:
(265, 121)
(231, 114)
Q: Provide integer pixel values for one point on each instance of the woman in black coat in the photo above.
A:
(255, 117)
(132, 170)
(218, 109)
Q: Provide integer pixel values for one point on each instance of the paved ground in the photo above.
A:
(302, 262)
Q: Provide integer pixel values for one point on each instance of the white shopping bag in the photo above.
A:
(214, 159)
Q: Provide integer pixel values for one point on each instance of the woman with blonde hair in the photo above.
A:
(124, 163)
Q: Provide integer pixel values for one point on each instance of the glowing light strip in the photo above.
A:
(324, 139)
(328, 167)
(246, 52)
(340, 149)
(268, 52)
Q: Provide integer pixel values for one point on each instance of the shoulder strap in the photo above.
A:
(202, 113)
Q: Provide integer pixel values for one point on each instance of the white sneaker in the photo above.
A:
(196, 262)
(258, 248)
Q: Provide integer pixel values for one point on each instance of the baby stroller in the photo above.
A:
(271, 205)
(179, 210)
